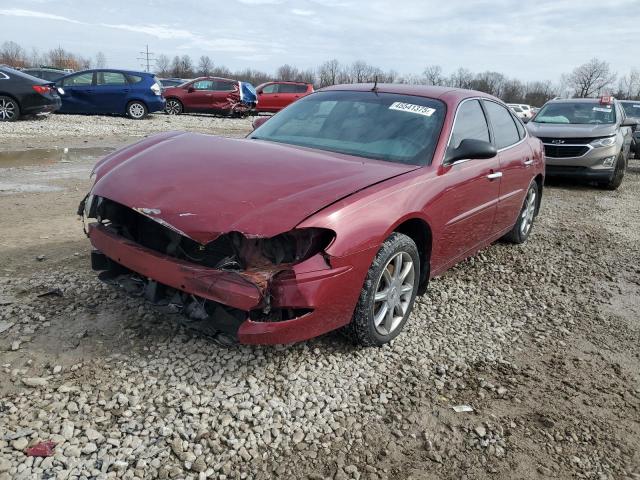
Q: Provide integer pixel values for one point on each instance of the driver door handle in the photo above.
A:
(528, 161)
(494, 175)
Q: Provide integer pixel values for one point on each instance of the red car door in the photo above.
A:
(225, 95)
(469, 200)
(199, 95)
(287, 94)
(516, 162)
(267, 97)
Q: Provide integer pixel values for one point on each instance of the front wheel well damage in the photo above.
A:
(420, 232)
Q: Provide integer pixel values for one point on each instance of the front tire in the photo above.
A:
(388, 293)
(173, 107)
(9, 109)
(618, 174)
(136, 110)
(521, 230)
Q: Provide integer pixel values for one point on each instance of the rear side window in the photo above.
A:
(273, 88)
(134, 78)
(504, 127)
(80, 80)
(470, 123)
(289, 88)
(110, 79)
(520, 127)
(222, 86)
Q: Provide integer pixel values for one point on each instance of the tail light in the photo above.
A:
(42, 89)
(156, 89)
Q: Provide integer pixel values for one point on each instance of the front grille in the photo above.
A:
(132, 225)
(564, 151)
(569, 141)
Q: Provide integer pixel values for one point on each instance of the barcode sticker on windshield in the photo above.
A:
(601, 109)
(410, 107)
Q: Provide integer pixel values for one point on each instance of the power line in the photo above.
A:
(147, 58)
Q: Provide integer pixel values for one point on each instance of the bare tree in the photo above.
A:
(591, 79)
(537, 93)
(328, 73)
(186, 66)
(629, 85)
(205, 65)
(489, 82)
(461, 78)
(13, 54)
(101, 60)
(512, 91)
(163, 65)
(287, 73)
(35, 59)
(433, 75)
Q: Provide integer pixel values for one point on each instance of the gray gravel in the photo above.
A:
(127, 392)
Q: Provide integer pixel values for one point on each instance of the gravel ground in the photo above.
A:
(540, 340)
(77, 130)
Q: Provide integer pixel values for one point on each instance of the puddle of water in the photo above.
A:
(33, 171)
(50, 156)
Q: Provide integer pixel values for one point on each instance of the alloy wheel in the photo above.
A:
(528, 212)
(173, 107)
(393, 293)
(7, 109)
(136, 110)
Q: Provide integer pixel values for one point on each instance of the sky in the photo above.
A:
(525, 39)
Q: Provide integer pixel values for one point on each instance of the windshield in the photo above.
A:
(632, 109)
(384, 126)
(576, 113)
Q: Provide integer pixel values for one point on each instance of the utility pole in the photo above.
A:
(146, 58)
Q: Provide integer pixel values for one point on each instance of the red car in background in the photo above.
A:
(207, 95)
(274, 96)
(334, 213)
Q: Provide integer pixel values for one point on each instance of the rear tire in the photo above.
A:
(137, 110)
(388, 293)
(173, 107)
(9, 109)
(523, 226)
(618, 174)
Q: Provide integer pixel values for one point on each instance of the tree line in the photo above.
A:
(591, 79)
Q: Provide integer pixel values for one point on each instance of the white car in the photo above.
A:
(522, 111)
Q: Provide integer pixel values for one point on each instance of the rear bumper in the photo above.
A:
(43, 105)
(156, 104)
(327, 294)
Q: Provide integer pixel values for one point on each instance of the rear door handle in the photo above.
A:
(494, 175)
(528, 161)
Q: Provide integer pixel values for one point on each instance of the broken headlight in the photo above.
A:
(287, 248)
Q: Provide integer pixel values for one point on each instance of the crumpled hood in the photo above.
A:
(203, 186)
(570, 130)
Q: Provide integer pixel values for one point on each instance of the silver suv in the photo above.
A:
(585, 137)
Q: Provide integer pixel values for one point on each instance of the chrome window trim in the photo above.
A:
(453, 124)
(4, 76)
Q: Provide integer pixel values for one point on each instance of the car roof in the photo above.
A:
(215, 78)
(629, 101)
(575, 100)
(44, 69)
(428, 91)
(119, 70)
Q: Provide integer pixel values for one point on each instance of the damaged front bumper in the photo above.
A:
(253, 306)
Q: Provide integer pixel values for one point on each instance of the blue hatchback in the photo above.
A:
(107, 91)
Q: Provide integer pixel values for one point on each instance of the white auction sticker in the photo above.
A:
(410, 107)
(602, 109)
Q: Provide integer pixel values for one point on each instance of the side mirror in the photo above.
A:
(259, 121)
(191, 90)
(630, 122)
(470, 149)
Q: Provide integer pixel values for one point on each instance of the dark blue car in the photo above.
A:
(107, 91)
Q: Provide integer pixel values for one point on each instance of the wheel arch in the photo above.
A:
(420, 232)
(540, 181)
(7, 94)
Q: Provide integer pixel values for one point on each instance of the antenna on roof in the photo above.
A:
(375, 84)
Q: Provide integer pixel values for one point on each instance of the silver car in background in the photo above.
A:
(586, 138)
(632, 110)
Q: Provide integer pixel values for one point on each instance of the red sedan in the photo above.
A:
(274, 96)
(334, 213)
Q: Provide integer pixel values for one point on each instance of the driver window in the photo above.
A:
(203, 85)
(80, 80)
(270, 88)
(470, 123)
